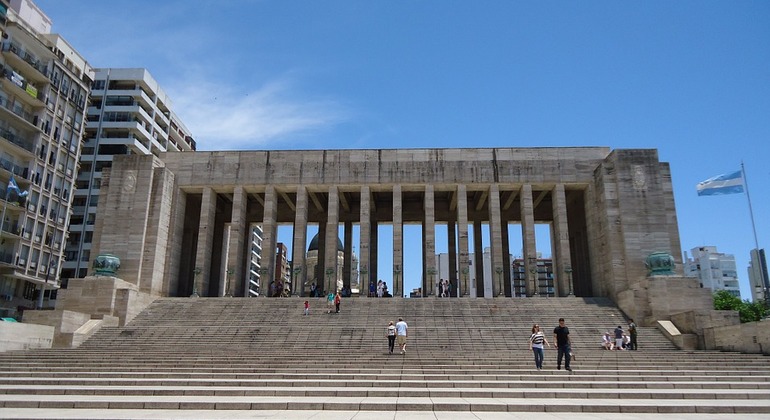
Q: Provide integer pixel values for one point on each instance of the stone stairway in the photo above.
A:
(463, 355)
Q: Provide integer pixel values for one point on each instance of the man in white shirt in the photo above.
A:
(401, 334)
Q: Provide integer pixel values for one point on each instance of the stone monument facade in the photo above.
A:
(166, 217)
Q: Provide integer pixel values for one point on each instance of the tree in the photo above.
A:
(748, 311)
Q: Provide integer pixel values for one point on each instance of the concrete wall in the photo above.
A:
(23, 336)
(751, 337)
(655, 298)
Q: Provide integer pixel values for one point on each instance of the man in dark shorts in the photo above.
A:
(563, 344)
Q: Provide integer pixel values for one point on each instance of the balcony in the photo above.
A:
(18, 111)
(23, 142)
(27, 93)
(32, 68)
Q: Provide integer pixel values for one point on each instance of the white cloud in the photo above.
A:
(222, 117)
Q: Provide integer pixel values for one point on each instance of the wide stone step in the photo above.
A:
(394, 403)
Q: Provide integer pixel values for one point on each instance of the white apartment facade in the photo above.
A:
(129, 113)
(43, 97)
(715, 270)
(758, 276)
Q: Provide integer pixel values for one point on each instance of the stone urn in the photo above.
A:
(659, 263)
(106, 265)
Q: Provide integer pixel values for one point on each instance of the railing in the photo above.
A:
(23, 84)
(18, 110)
(13, 168)
(29, 58)
(20, 141)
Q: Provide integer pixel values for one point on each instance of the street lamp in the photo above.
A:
(263, 273)
(396, 272)
(465, 271)
(533, 278)
(297, 271)
(196, 272)
(431, 272)
(363, 282)
(499, 271)
(229, 273)
(568, 270)
(329, 274)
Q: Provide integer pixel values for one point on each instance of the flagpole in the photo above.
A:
(751, 211)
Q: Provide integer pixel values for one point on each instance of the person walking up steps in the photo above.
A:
(563, 344)
(536, 341)
(391, 334)
(307, 308)
(402, 331)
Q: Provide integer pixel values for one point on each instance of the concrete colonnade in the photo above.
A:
(370, 205)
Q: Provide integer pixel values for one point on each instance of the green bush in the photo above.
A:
(748, 311)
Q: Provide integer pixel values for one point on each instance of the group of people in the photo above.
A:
(444, 288)
(333, 301)
(379, 290)
(619, 340)
(397, 334)
(561, 341)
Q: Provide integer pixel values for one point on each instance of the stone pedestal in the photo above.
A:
(659, 297)
(89, 304)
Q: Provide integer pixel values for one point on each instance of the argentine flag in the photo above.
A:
(13, 186)
(731, 183)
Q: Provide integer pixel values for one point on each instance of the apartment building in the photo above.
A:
(43, 97)
(129, 113)
(714, 269)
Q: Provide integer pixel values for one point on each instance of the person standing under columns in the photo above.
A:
(632, 333)
(337, 301)
(402, 331)
(563, 344)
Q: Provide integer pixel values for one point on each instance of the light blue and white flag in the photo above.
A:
(13, 186)
(731, 183)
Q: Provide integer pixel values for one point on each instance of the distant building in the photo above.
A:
(282, 266)
(254, 260)
(715, 270)
(316, 275)
(517, 286)
(758, 276)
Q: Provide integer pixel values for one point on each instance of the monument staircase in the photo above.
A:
(463, 355)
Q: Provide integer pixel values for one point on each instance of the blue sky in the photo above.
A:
(689, 78)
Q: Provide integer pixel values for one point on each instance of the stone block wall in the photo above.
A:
(23, 336)
(751, 337)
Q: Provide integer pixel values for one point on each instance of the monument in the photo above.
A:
(181, 219)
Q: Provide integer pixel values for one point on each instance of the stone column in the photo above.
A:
(332, 236)
(205, 241)
(235, 268)
(318, 270)
(269, 240)
(299, 243)
(364, 236)
(374, 260)
(398, 243)
(496, 241)
(508, 291)
(347, 265)
(451, 230)
(478, 258)
(561, 260)
(430, 271)
(528, 238)
(462, 231)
